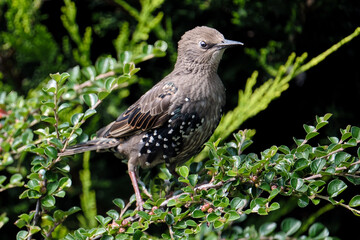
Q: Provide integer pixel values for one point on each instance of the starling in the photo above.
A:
(170, 122)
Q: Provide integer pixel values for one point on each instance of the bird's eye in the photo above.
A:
(203, 44)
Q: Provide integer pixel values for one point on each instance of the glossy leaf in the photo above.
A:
(51, 152)
(355, 133)
(267, 228)
(335, 187)
(317, 165)
(318, 231)
(48, 201)
(184, 171)
(355, 201)
(290, 226)
(90, 99)
(119, 203)
(89, 113)
(76, 118)
(198, 214)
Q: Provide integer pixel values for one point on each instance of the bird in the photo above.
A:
(171, 122)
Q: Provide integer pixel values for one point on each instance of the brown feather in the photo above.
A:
(149, 112)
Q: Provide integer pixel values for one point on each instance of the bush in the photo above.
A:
(216, 195)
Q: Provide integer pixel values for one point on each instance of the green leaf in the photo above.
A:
(51, 152)
(327, 116)
(355, 133)
(20, 223)
(125, 57)
(90, 99)
(341, 157)
(119, 202)
(26, 217)
(60, 194)
(171, 203)
(57, 143)
(193, 179)
(169, 219)
(218, 224)
(301, 164)
(137, 235)
(76, 118)
(48, 119)
(2, 179)
(309, 129)
(232, 215)
(267, 228)
(191, 223)
(298, 141)
(317, 165)
(113, 214)
(161, 45)
(318, 231)
(59, 215)
(184, 171)
(34, 229)
(303, 201)
(65, 182)
(21, 235)
(49, 103)
(176, 211)
(110, 82)
(89, 113)
(290, 226)
(355, 201)
(345, 136)
(273, 193)
(335, 187)
(73, 210)
(103, 95)
(89, 73)
(63, 106)
(274, 206)
(144, 215)
(211, 217)
(51, 187)
(34, 184)
(197, 214)
(50, 87)
(103, 221)
(55, 76)
(63, 78)
(297, 183)
(284, 149)
(102, 65)
(14, 179)
(48, 201)
(333, 140)
(311, 135)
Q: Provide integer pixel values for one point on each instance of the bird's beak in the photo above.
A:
(228, 43)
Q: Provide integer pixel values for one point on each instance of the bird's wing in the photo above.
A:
(150, 111)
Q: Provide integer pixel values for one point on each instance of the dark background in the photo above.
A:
(310, 26)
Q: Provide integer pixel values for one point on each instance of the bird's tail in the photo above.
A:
(96, 144)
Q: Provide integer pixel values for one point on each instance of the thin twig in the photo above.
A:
(36, 216)
(198, 188)
(337, 203)
(88, 83)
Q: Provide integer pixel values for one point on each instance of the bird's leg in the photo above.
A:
(139, 201)
(144, 190)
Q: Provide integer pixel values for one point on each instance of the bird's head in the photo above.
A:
(202, 48)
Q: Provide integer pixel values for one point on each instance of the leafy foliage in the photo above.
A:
(47, 110)
(211, 199)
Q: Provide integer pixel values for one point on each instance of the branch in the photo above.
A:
(337, 203)
(198, 188)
